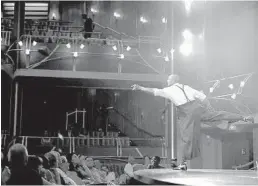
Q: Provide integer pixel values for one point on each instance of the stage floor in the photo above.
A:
(203, 177)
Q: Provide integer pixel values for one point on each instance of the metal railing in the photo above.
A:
(5, 38)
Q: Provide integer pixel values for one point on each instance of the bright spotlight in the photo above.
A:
(27, 51)
(187, 34)
(93, 10)
(20, 43)
(143, 20)
(186, 49)
(211, 89)
(231, 86)
(34, 43)
(75, 54)
(159, 50)
(242, 84)
(81, 46)
(68, 45)
(128, 48)
(122, 56)
(233, 96)
(114, 48)
(164, 20)
(117, 15)
(166, 58)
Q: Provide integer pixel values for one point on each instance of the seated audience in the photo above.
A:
(20, 173)
(146, 161)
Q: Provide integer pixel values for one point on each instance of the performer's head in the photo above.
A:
(172, 79)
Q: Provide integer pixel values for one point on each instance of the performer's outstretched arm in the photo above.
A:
(143, 89)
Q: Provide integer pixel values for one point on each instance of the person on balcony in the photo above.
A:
(196, 108)
(88, 27)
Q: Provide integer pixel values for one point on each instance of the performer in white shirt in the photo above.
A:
(196, 109)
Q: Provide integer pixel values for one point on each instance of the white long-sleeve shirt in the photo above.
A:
(177, 96)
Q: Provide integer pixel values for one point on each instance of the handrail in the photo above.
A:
(244, 165)
(135, 126)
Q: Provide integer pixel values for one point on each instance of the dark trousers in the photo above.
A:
(194, 113)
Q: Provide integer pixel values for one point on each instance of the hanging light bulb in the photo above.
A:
(68, 45)
(20, 43)
(81, 46)
(75, 54)
(93, 10)
(128, 48)
(164, 20)
(231, 86)
(114, 48)
(166, 58)
(122, 56)
(233, 96)
(159, 50)
(211, 89)
(242, 84)
(34, 43)
(117, 15)
(27, 51)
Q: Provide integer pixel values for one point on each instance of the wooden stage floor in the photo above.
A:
(200, 177)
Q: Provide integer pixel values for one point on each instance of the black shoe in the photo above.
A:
(182, 166)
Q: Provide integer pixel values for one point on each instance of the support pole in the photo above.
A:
(16, 88)
(76, 115)
(21, 108)
(66, 122)
(172, 129)
(83, 118)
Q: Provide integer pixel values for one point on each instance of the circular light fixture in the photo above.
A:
(159, 50)
(20, 43)
(75, 54)
(114, 48)
(34, 43)
(68, 45)
(122, 56)
(27, 51)
(81, 46)
(128, 48)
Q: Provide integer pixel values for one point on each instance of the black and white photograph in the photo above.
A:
(129, 92)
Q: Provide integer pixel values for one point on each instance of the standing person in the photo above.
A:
(196, 108)
(88, 27)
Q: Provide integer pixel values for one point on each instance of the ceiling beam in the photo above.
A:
(90, 75)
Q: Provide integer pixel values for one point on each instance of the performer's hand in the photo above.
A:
(136, 87)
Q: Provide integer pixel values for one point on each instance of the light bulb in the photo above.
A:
(20, 43)
(75, 54)
(114, 47)
(233, 96)
(34, 43)
(27, 51)
(211, 89)
(231, 86)
(159, 50)
(242, 84)
(122, 56)
(81, 46)
(68, 45)
(128, 48)
(166, 58)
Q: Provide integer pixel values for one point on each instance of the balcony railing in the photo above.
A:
(5, 38)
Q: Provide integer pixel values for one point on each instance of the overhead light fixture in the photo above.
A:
(114, 48)
(143, 20)
(166, 58)
(75, 54)
(164, 20)
(128, 48)
(159, 50)
(20, 43)
(188, 5)
(27, 51)
(122, 56)
(93, 10)
(68, 45)
(34, 43)
(231, 86)
(172, 51)
(233, 96)
(242, 84)
(81, 46)
(117, 15)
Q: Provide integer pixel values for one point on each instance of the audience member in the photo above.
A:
(64, 167)
(129, 167)
(53, 164)
(20, 174)
(155, 161)
(146, 161)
